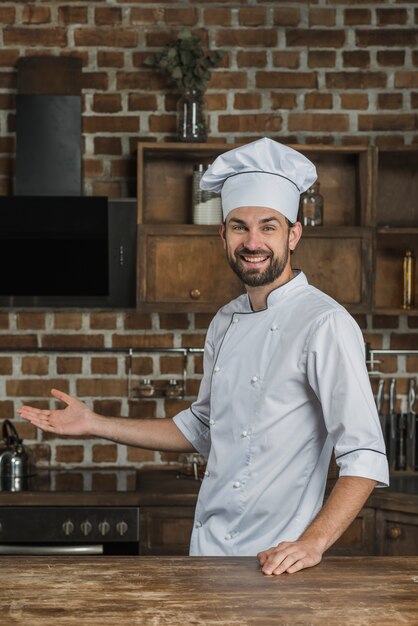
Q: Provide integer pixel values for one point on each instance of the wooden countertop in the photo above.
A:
(353, 591)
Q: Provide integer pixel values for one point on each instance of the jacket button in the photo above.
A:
(244, 433)
(254, 379)
(216, 369)
(236, 484)
(274, 327)
(211, 422)
(198, 525)
(228, 536)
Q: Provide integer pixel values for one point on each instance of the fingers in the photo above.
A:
(287, 557)
(60, 395)
(37, 417)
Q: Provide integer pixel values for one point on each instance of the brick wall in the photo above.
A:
(324, 71)
(76, 358)
(328, 71)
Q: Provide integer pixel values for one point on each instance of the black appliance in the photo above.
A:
(77, 512)
(67, 251)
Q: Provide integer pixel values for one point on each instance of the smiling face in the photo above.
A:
(258, 242)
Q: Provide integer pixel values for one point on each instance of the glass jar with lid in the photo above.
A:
(312, 206)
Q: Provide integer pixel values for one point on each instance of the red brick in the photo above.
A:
(105, 188)
(92, 167)
(108, 408)
(108, 58)
(330, 122)
(146, 16)
(140, 80)
(251, 58)
(6, 365)
(33, 14)
(103, 320)
(8, 81)
(69, 454)
(286, 80)
(7, 15)
(216, 101)
(172, 407)
(142, 102)
(105, 453)
(142, 341)
(162, 123)
(35, 37)
(389, 101)
(172, 321)
(107, 16)
(9, 57)
(35, 365)
(388, 58)
(243, 37)
(252, 16)
(69, 365)
(285, 58)
(398, 122)
(322, 17)
(385, 321)
(41, 454)
(354, 101)
(172, 365)
(142, 409)
(415, 57)
(356, 58)
(407, 80)
(391, 16)
(102, 387)
(247, 101)
(217, 16)
(104, 365)
(180, 17)
(106, 37)
(315, 37)
(110, 124)
(228, 80)
(283, 101)
(7, 410)
(286, 16)
(107, 145)
(73, 341)
(357, 17)
(355, 80)
(4, 321)
(19, 341)
(141, 366)
(138, 455)
(67, 320)
(318, 101)
(32, 388)
(321, 58)
(72, 15)
(404, 341)
(249, 123)
(386, 37)
(193, 340)
(30, 320)
(107, 103)
(414, 100)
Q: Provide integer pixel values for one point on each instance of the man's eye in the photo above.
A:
(238, 228)
(268, 228)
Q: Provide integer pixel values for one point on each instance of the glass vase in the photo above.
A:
(191, 121)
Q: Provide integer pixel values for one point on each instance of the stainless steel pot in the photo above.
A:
(16, 462)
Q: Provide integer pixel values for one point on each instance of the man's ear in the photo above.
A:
(295, 234)
(222, 229)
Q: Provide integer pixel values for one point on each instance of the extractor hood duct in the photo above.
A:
(48, 127)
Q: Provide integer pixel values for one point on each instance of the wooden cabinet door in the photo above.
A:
(165, 530)
(358, 539)
(183, 268)
(396, 533)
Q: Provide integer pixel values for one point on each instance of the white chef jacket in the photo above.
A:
(281, 388)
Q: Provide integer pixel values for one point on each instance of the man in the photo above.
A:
(284, 384)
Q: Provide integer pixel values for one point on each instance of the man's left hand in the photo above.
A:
(289, 556)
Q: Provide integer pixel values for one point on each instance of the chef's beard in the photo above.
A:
(254, 277)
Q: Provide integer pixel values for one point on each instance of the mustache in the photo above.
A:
(258, 252)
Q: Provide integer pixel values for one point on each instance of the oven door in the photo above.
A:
(69, 530)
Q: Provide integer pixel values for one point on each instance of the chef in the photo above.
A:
(284, 384)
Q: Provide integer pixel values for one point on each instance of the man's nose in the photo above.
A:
(252, 240)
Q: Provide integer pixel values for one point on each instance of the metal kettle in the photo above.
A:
(15, 459)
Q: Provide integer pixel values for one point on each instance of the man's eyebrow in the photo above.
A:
(265, 220)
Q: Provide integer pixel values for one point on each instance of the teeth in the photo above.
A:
(254, 259)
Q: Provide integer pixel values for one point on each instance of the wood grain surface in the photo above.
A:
(154, 591)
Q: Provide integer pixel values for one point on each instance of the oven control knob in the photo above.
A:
(68, 527)
(104, 528)
(122, 528)
(86, 527)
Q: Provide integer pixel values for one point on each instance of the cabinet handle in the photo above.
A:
(195, 294)
(394, 532)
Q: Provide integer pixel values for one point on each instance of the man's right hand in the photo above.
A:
(75, 419)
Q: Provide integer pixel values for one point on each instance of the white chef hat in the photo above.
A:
(262, 173)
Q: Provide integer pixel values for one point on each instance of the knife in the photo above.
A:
(391, 426)
(379, 405)
(411, 428)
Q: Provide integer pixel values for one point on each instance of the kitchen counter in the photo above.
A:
(157, 591)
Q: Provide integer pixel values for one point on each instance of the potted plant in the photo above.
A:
(187, 65)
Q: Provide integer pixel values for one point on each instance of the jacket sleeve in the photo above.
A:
(338, 375)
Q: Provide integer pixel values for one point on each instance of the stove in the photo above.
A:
(78, 511)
